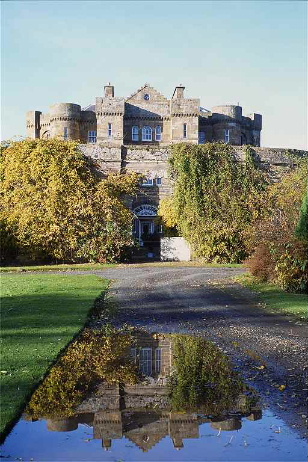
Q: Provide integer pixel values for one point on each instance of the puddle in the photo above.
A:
(133, 396)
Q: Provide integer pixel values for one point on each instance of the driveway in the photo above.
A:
(268, 349)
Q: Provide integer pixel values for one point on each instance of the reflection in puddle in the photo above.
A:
(139, 390)
(146, 428)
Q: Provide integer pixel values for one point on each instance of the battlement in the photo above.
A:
(147, 118)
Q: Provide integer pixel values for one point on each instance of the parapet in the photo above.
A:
(65, 111)
(235, 112)
(257, 121)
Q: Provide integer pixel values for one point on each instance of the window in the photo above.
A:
(135, 133)
(92, 136)
(147, 182)
(159, 181)
(147, 133)
(158, 360)
(145, 363)
(133, 353)
(201, 137)
(109, 130)
(65, 133)
(227, 136)
(158, 132)
(184, 130)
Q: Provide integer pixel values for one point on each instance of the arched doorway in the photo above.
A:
(144, 222)
(146, 230)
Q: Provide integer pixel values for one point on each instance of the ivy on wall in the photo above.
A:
(215, 199)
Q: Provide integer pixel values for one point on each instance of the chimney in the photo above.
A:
(109, 91)
(179, 92)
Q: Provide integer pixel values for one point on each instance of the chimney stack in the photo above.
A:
(179, 92)
(109, 91)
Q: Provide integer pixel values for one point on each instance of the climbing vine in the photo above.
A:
(203, 377)
(216, 196)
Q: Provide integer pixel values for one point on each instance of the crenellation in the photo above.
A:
(147, 118)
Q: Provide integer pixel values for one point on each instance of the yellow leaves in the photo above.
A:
(57, 204)
(93, 357)
(168, 212)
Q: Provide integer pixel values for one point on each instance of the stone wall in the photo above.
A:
(153, 161)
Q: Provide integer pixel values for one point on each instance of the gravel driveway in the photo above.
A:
(268, 349)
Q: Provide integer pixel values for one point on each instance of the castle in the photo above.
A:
(142, 413)
(135, 134)
(148, 118)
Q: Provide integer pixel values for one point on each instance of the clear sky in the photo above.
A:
(225, 52)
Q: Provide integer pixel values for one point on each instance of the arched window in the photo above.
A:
(135, 133)
(146, 133)
(158, 133)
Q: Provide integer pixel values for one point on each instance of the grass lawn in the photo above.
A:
(41, 313)
(64, 267)
(276, 299)
(98, 266)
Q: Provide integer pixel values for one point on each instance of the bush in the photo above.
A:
(278, 255)
(55, 203)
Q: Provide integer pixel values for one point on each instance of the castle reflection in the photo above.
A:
(143, 413)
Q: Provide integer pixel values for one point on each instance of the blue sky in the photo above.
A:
(225, 52)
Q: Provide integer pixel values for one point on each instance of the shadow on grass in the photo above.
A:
(35, 330)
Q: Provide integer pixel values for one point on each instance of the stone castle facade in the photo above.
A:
(147, 118)
(135, 134)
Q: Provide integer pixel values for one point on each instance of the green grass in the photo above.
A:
(277, 299)
(41, 313)
(64, 267)
(98, 266)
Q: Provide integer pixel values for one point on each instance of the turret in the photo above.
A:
(232, 111)
(63, 425)
(65, 121)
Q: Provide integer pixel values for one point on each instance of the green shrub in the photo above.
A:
(215, 199)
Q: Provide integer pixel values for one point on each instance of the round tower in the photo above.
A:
(229, 110)
(64, 425)
(65, 121)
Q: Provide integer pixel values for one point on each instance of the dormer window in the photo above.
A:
(147, 133)
(135, 133)
(158, 133)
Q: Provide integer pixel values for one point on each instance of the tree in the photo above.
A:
(279, 253)
(215, 199)
(301, 230)
(55, 202)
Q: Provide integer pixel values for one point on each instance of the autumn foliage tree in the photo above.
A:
(56, 204)
(302, 227)
(278, 239)
(215, 199)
